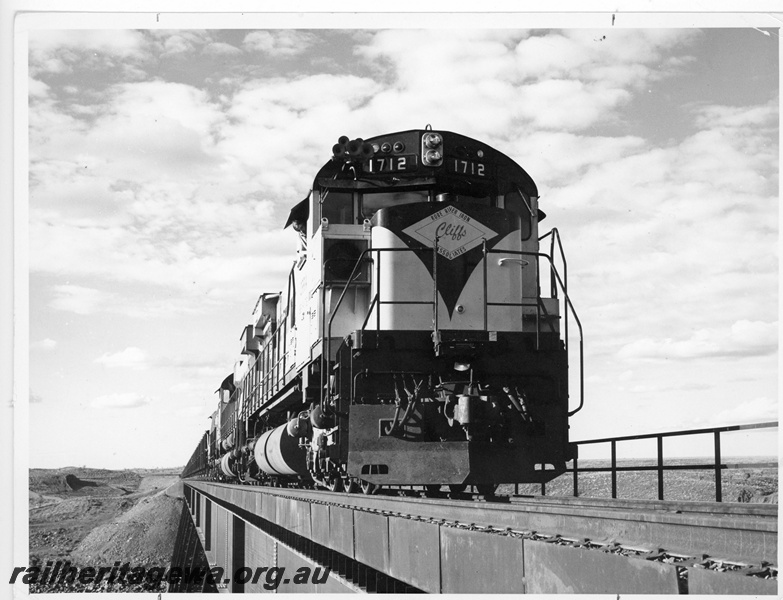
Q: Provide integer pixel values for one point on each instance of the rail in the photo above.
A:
(555, 280)
(717, 466)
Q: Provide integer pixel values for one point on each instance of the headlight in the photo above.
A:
(432, 149)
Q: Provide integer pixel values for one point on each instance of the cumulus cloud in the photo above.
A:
(617, 58)
(144, 131)
(281, 42)
(736, 117)
(132, 358)
(220, 49)
(180, 191)
(515, 81)
(743, 338)
(175, 43)
(44, 344)
(119, 42)
(79, 299)
(178, 198)
(156, 194)
(204, 272)
(279, 128)
(680, 234)
(149, 131)
(120, 400)
(755, 410)
(36, 88)
(60, 51)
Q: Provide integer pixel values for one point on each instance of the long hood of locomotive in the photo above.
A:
(440, 246)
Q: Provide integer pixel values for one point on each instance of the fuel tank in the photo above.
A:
(278, 453)
(225, 465)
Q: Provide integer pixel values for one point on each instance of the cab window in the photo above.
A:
(372, 203)
(337, 206)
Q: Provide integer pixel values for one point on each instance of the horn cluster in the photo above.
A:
(350, 150)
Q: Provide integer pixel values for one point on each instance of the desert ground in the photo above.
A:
(747, 484)
(95, 517)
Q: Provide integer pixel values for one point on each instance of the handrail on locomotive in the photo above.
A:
(556, 282)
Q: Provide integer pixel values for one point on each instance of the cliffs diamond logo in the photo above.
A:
(455, 232)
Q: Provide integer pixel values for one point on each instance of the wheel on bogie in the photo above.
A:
(335, 484)
(350, 485)
(486, 489)
(457, 488)
(368, 488)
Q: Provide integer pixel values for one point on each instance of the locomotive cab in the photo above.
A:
(419, 182)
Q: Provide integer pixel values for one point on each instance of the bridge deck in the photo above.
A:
(523, 545)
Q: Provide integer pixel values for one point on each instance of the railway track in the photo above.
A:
(729, 536)
(508, 544)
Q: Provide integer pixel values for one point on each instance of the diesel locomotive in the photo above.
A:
(421, 338)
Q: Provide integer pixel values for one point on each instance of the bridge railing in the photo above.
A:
(717, 466)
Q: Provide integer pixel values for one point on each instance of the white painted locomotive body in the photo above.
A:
(399, 249)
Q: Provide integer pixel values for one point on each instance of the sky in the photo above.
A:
(163, 164)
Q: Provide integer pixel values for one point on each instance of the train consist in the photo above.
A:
(412, 344)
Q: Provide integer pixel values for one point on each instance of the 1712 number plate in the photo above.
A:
(466, 167)
(391, 164)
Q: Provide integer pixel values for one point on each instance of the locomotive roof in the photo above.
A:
(455, 145)
(464, 150)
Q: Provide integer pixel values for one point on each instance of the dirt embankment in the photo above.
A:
(142, 535)
(72, 481)
(92, 517)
